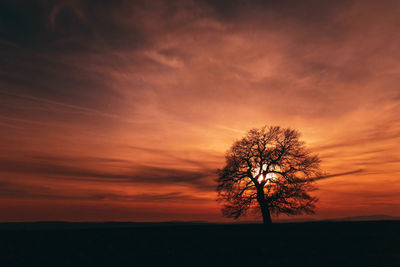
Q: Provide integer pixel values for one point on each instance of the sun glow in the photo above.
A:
(261, 178)
(264, 175)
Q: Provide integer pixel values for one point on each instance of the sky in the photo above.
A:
(123, 110)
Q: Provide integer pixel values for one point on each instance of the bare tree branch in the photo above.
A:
(270, 169)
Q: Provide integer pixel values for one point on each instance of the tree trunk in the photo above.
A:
(266, 215)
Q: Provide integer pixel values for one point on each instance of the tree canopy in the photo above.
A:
(271, 170)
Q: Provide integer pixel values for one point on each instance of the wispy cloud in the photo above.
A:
(128, 173)
(337, 175)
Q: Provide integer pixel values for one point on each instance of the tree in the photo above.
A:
(269, 170)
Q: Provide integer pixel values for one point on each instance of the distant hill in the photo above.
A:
(378, 217)
(109, 225)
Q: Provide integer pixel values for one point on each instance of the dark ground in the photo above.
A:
(191, 244)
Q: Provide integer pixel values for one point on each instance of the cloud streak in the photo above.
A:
(337, 175)
(138, 174)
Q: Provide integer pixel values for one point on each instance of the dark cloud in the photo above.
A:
(24, 191)
(388, 130)
(149, 198)
(205, 160)
(70, 159)
(374, 196)
(68, 25)
(14, 190)
(85, 25)
(137, 174)
(43, 44)
(337, 175)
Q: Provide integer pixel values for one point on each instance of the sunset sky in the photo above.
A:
(123, 110)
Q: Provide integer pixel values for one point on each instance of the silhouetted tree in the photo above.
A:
(269, 168)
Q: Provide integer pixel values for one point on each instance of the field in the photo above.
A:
(200, 244)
